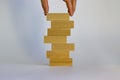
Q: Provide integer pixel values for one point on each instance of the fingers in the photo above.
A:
(45, 6)
(71, 5)
(74, 5)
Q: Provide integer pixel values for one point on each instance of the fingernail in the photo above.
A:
(45, 14)
(71, 13)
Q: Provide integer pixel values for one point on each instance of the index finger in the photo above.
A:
(45, 6)
(74, 5)
(69, 6)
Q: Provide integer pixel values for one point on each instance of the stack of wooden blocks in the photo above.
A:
(57, 36)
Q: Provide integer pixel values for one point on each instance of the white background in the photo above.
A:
(40, 72)
(96, 33)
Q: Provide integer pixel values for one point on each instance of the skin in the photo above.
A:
(71, 5)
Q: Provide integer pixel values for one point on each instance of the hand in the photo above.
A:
(71, 5)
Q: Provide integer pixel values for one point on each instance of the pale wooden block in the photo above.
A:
(55, 39)
(61, 64)
(58, 51)
(60, 60)
(51, 54)
(63, 47)
(54, 32)
(58, 16)
(61, 24)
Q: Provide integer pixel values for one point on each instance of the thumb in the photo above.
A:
(45, 6)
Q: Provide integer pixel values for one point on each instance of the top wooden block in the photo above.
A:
(58, 16)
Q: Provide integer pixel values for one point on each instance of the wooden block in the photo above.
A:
(58, 54)
(58, 16)
(62, 24)
(55, 39)
(60, 64)
(54, 32)
(62, 47)
(60, 60)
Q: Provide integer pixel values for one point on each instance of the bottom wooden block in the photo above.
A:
(60, 60)
(60, 64)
